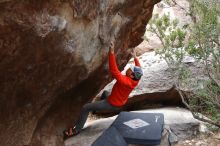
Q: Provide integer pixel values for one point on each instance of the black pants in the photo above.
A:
(95, 106)
(105, 95)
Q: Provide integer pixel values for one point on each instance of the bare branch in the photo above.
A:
(215, 41)
(184, 9)
(201, 118)
(182, 97)
(209, 74)
(204, 119)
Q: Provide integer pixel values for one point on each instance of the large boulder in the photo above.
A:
(53, 59)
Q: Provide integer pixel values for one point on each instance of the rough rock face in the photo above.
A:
(53, 59)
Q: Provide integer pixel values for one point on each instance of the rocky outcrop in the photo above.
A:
(53, 59)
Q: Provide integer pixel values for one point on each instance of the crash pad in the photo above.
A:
(140, 128)
(110, 137)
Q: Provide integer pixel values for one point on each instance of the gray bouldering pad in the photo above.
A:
(111, 137)
(140, 128)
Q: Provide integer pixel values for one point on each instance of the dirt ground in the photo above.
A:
(211, 139)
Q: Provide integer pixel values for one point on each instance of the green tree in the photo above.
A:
(201, 40)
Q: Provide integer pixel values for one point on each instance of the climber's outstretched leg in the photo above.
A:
(95, 106)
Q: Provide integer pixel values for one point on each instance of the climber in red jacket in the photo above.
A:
(119, 95)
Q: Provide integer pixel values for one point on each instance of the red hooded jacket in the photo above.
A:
(123, 86)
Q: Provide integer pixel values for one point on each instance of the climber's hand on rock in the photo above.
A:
(112, 47)
(133, 53)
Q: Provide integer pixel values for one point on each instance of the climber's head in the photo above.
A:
(134, 72)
